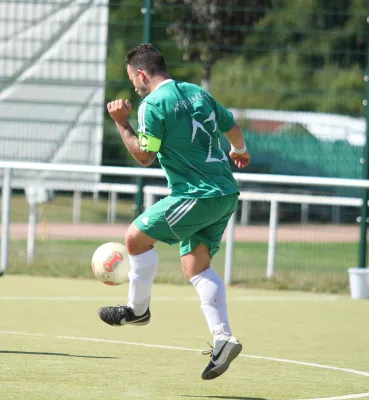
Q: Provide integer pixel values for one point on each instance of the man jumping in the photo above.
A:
(180, 123)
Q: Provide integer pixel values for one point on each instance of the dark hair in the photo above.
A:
(146, 57)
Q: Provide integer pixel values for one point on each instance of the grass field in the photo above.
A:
(307, 266)
(296, 345)
(313, 266)
(60, 209)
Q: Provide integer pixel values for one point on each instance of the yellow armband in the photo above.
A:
(149, 143)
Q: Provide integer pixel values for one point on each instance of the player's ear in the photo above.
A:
(142, 75)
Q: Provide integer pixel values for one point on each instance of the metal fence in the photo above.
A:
(263, 59)
(309, 257)
(52, 82)
(308, 56)
(253, 56)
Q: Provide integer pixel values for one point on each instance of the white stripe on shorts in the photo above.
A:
(183, 212)
(175, 212)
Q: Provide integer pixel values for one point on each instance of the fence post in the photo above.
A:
(273, 226)
(5, 219)
(336, 214)
(245, 212)
(365, 162)
(148, 11)
(77, 196)
(229, 250)
(113, 206)
(304, 213)
(149, 199)
(31, 231)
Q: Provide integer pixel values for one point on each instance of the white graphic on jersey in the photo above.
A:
(196, 125)
(145, 220)
(141, 118)
(189, 101)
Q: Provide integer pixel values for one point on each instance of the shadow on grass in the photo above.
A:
(50, 354)
(223, 397)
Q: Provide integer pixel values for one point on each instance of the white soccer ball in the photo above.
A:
(110, 263)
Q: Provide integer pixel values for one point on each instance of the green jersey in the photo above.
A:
(182, 123)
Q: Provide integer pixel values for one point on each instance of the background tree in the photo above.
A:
(305, 55)
(207, 30)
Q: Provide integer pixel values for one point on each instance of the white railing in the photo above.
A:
(322, 125)
(152, 191)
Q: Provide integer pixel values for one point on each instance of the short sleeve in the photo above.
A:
(225, 119)
(150, 120)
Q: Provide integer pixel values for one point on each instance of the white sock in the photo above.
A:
(211, 290)
(142, 272)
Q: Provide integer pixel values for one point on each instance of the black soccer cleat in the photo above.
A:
(222, 354)
(123, 315)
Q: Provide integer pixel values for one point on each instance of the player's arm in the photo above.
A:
(233, 133)
(119, 111)
(239, 153)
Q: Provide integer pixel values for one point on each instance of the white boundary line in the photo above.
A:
(283, 360)
(171, 298)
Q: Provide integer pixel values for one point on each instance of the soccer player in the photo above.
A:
(180, 123)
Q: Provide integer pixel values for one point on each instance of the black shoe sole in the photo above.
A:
(137, 323)
(220, 369)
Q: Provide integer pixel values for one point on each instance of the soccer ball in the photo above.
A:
(110, 263)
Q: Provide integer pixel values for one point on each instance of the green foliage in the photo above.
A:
(206, 30)
(304, 55)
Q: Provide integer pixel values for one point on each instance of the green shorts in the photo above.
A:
(188, 221)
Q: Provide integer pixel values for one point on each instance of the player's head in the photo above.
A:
(143, 64)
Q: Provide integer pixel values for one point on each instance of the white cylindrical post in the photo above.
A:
(95, 195)
(149, 199)
(273, 226)
(31, 234)
(77, 196)
(229, 250)
(5, 219)
(113, 207)
(109, 207)
(304, 213)
(245, 212)
(336, 215)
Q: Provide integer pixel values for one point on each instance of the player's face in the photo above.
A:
(139, 80)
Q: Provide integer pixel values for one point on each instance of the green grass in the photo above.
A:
(60, 209)
(54, 347)
(307, 266)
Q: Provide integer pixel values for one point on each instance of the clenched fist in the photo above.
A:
(119, 110)
(240, 160)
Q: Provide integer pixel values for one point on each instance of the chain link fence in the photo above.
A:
(291, 71)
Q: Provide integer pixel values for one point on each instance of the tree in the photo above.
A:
(207, 30)
(303, 55)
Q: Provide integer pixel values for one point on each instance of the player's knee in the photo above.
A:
(131, 242)
(137, 242)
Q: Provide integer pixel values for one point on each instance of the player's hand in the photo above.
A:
(119, 110)
(240, 160)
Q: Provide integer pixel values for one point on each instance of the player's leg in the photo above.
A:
(143, 259)
(196, 253)
(209, 286)
(148, 228)
(212, 293)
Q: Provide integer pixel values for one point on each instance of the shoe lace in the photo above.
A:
(209, 351)
(122, 309)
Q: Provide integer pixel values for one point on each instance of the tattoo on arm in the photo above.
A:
(132, 143)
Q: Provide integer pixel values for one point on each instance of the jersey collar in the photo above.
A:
(163, 83)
